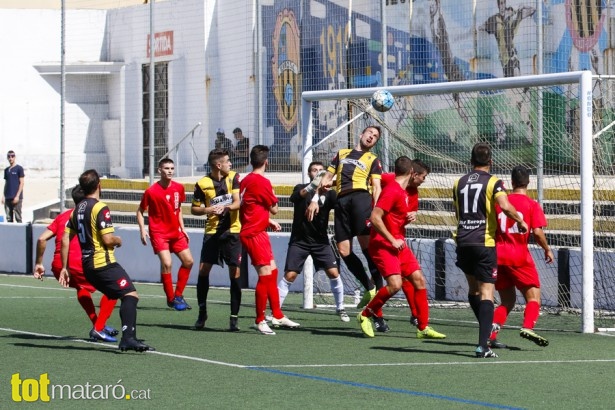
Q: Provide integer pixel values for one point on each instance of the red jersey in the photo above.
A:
(257, 197)
(74, 251)
(413, 192)
(394, 201)
(164, 207)
(511, 244)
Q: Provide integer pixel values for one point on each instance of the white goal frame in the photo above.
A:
(584, 81)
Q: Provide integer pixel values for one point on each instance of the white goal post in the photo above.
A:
(337, 100)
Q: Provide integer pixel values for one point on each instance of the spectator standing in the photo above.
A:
(222, 142)
(240, 157)
(13, 189)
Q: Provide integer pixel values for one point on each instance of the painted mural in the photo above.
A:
(314, 48)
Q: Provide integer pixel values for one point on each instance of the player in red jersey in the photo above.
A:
(388, 249)
(258, 201)
(413, 206)
(516, 268)
(78, 280)
(162, 202)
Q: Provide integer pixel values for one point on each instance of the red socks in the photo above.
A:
(408, 288)
(422, 308)
(260, 297)
(167, 285)
(499, 316)
(85, 300)
(182, 279)
(274, 295)
(267, 290)
(530, 316)
(374, 308)
(105, 311)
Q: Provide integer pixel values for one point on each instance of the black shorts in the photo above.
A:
(112, 281)
(478, 261)
(352, 213)
(220, 248)
(297, 253)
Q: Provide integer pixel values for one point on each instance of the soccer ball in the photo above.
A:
(382, 100)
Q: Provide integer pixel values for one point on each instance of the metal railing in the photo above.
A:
(175, 149)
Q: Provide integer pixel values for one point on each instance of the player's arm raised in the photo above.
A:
(326, 179)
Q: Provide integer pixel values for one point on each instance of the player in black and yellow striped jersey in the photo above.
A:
(217, 196)
(91, 222)
(357, 171)
(474, 197)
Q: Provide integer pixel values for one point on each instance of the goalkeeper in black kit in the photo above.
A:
(309, 237)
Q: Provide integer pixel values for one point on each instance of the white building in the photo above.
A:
(106, 71)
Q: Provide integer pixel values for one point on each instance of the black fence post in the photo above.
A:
(563, 277)
(440, 269)
(243, 270)
(29, 248)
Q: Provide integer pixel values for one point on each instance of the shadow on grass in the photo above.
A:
(469, 352)
(25, 336)
(111, 349)
(189, 328)
(465, 353)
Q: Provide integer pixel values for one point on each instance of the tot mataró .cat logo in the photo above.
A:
(43, 389)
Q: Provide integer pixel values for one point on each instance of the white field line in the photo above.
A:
(299, 366)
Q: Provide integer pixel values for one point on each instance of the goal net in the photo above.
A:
(557, 125)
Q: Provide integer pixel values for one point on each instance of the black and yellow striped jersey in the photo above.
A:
(474, 198)
(211, 192)
(90, 220)
(354, 170)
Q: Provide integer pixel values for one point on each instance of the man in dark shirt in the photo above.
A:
(12, 197)
(242, 149)
(308, 237)
(222, 142)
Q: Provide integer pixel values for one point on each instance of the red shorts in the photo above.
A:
(521, 277)
(390, 261)
(77, 279)
(165, 243)
(258, 247)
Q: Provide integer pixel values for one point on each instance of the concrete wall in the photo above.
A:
(138, 260)
(142, 265)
